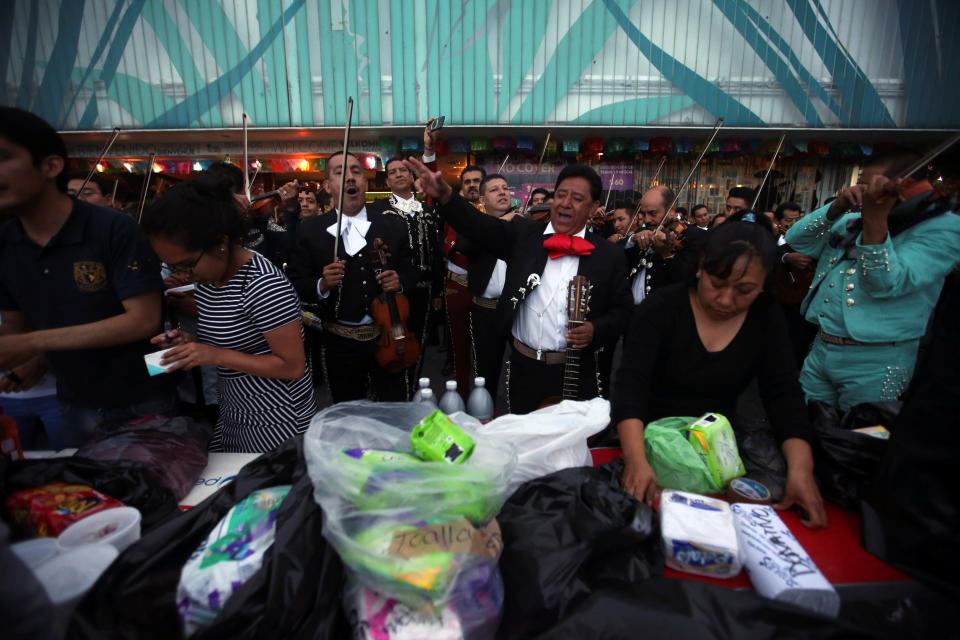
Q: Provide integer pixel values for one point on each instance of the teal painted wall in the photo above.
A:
(95, 64)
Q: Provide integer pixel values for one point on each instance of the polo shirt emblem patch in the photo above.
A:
(90, 276)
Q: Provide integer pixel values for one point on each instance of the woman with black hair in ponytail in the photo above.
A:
(249, 322)
(692, 348)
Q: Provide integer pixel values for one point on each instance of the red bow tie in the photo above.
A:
(560, 244)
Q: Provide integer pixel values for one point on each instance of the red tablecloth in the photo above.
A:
(836, 550)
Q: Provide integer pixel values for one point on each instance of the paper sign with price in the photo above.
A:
(618, 176)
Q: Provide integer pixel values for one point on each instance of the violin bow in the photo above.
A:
(503, 164)
(343, 178)
(543, 152)
(927, 159)
(103, 152)
(146, 186)
(756, 197)
(246, 161)
(686, 181)
(636, 213)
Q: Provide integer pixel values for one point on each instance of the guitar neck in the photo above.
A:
(571, 371)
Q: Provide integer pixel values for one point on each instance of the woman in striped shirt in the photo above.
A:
(249, 322)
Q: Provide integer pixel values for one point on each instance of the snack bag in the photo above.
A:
(230, 555)
(47, 510)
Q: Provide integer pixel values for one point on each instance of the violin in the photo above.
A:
(397, 348)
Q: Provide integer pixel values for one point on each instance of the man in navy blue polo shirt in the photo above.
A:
(80, 289)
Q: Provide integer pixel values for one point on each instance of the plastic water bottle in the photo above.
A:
(424, 384)
(451, 402)
(480, 404)
(426, 395)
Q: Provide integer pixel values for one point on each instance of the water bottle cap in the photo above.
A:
(479, 381)
(426, 393)
(424, 382)
(451, 385)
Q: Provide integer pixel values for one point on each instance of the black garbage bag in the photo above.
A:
(845, 461)
(566, 535)
(911, 514)
(128, 482)
(173, 450)
(295, 594)
(667, 609)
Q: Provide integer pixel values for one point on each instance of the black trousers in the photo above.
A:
(351, 371)
(487, 345)
(530, 382)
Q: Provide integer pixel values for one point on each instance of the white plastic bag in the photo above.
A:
(408, 529)
(550, 439)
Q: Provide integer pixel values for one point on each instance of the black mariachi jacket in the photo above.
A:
(520, 243)
(424, 240)
(351, 301)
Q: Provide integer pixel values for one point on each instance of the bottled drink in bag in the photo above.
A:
(451, 401)
(480, 404)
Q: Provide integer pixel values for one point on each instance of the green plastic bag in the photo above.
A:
(681, 461)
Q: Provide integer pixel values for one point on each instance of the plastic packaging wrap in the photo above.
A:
(47, 510)
(471, 613)
(699, 535)
(228, 557)
(173, 450)
(406, 529)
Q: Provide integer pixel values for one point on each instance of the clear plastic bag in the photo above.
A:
(408, 529)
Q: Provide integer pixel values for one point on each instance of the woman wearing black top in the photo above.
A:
(693, 349)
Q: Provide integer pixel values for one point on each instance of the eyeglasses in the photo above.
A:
(187, 270)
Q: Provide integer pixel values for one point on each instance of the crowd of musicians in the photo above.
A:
(828, 305)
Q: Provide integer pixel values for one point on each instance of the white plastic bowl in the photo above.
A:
(118, 527)
(71, 574)
(35, 552)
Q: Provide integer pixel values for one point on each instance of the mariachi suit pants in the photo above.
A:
(458, 303)
(487, 344)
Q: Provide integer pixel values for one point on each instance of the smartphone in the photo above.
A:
(437, 124)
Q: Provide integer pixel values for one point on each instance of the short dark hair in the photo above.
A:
(697, 207)
(323, 198)
(34, 134)
(546, 194)
(792, 206)
(226, 171)
(585, 172)
(197, 214)
(681, 210)
(386, 165)
(490, 177)
(105, 186)
(745, 193)
(752, 217)
(896, 161)
(472, 167)
(730, 241)
(624, 204)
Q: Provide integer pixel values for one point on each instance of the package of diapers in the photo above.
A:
(699, 535)
(778, 566)
(232, 552)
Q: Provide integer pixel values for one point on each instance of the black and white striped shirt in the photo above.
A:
(256, 414)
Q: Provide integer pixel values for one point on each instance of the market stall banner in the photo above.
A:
(200, 64)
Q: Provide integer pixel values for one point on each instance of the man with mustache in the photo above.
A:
(457, 295)
(542, 258)
(344, 288)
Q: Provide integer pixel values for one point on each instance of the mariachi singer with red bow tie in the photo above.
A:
(542, 258)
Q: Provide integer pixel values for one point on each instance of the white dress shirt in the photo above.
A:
(497, 278)
(353, 230)
(639, 286)
(541, 320)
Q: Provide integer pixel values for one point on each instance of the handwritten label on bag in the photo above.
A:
(457, 536)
